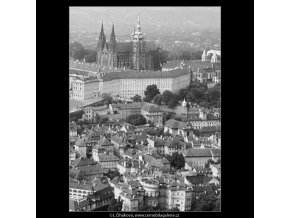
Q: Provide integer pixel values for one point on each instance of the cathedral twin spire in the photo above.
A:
(102, 38)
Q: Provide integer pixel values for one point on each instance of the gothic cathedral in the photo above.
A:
(136, 55)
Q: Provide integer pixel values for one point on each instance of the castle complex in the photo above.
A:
(137, 54)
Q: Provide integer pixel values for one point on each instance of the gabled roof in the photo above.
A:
(107, 157)
(105, 142)
(145, 74)
(87, 186)
(151, 108)
(91, 169)
(77, 205)
(198, 152)
(174, 124)
(82, 162)
(124, 47)
(209, 129)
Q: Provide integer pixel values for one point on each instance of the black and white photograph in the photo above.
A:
(145, 109)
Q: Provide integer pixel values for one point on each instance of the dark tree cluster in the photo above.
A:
(200, 94)
(206, 202)
(76, 115)
(137, 98)
(177, 160)
(150, 92)
(91, 56)
(185, 54)
(155, 132)
(78, 52)
(136, 119)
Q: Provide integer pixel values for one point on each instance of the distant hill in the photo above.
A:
(153, 19)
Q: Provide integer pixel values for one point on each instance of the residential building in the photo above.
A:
(197, 157)
(152, 112)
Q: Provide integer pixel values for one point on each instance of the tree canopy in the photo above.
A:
(136, 119)
(157, 99)
(150, 92)
(91, 56)
(137, 98)
(177, 160)
(76, 51)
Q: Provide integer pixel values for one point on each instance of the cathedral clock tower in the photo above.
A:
(139, 55)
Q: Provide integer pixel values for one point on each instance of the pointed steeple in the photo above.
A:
(102, 39)
(113, 36)
(113, 41)
(204, 56)
(102, 36)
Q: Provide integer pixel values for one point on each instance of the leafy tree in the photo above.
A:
(163, 54)
(107, 99)
(205, 202)
(77, 51)
(76, 115)
(180, 162)
(157, 99)
(182, 94)
(136, 119)
(91, 56)
(167, 96)
(173, 159)
(147, 99)
(81, 176)
(172, 103)
(137, 98)
(151, 91)
(177, 160)
(166, 117)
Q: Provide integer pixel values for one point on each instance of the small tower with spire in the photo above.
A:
(204, 56)
(214, 58)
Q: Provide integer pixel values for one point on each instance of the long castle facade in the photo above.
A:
(136, 55)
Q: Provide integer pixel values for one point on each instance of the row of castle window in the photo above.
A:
(79, 96)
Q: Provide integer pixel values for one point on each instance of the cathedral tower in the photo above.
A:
(139, 53)
(102, 40)
(113, 49)
(102, 49)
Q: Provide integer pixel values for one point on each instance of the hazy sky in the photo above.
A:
(88, 18)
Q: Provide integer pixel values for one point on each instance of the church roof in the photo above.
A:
(124, 47)
(145, 74)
